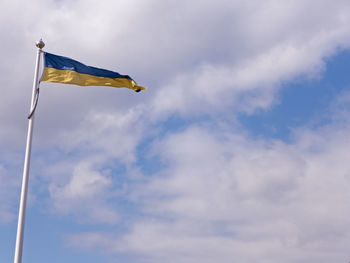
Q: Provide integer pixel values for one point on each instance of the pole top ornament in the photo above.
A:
(40, 44)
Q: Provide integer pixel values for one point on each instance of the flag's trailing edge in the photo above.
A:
(68, 71)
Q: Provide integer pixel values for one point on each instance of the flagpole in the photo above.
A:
(22, 208)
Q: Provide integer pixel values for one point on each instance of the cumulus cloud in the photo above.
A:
(94, 147)
(223, 196)
(110, 134)
(6, 198)
(250, 82)
(10, 174)
(234, 61)
(84, 195)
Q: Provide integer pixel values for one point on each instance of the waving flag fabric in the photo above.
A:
(68, 71)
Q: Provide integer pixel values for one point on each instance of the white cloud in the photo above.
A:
(8, 186)
(192, 60)
(114, 135)
(101, 139)
(84, 183)
(251, 82)
(223, 196)
(5, 214)
(84, 196)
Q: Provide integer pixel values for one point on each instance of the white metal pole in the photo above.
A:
(22, 208)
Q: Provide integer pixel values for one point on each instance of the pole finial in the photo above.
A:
(40, 44)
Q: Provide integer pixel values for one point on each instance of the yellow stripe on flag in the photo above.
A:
(73, 77)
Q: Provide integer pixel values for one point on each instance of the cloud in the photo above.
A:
(252, 81)
(113, 135)
(84, 195)
(223, 196)
(100, 149)
(235, 61)
(5, 214)
(9, 185)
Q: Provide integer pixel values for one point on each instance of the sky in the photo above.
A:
(238, 151)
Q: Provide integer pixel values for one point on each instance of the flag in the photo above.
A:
(68, 71)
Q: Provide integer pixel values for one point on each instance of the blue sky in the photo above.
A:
(236, 152)
(302, 102)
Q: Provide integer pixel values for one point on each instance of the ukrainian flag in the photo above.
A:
(68, 71)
